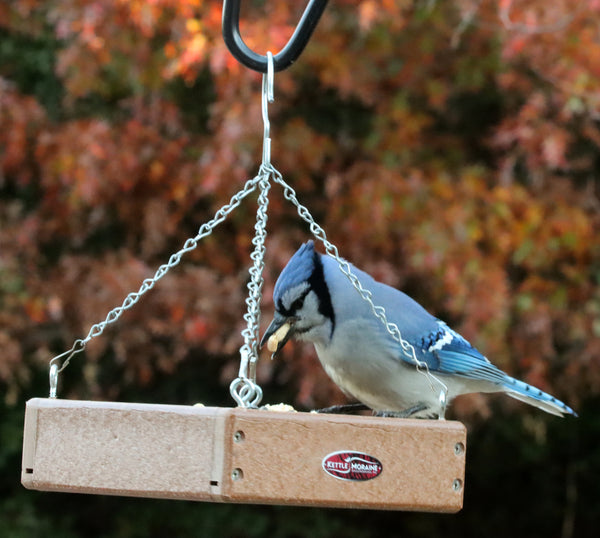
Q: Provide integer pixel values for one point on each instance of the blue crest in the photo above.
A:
(299, 269)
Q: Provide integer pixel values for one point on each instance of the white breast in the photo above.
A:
(373, 375)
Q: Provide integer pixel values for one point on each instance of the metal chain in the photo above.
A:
(244, 389)
(206, 229)
(379, 312)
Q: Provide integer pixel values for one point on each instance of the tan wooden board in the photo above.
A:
(243, 455)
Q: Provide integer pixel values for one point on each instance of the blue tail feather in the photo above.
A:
(536, 397)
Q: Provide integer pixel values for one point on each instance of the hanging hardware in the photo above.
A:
(284, 58)
(244, 390)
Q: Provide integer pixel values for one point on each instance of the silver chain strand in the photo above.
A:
(206, 229)
(244, 389)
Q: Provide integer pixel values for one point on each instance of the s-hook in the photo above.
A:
(284, 58)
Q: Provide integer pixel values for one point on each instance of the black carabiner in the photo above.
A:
(284, 58)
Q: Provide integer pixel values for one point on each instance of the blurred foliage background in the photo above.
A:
(451, 149)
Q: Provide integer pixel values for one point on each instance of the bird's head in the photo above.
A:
(303, 308)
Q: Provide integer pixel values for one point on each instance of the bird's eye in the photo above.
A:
(297, 304)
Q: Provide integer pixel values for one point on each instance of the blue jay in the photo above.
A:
(315, 302)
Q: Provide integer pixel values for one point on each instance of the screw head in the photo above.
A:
(239, 436)
(457, 484)
(459, 448)
(237, 474)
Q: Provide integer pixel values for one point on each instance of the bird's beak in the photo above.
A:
(278, 333)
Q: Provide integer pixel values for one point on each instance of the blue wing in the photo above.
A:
(447, 352)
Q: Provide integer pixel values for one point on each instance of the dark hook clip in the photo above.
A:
(288, 55)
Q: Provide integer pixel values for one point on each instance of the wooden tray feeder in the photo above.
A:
(243, 454)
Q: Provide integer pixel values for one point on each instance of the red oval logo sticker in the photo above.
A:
(347, 465)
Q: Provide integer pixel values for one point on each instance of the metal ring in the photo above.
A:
(245, 392)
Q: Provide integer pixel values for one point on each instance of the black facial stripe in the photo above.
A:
(319, 286)
(289, 312)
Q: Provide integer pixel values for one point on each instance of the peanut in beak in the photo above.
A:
(277, 336)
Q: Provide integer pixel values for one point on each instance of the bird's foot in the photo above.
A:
(406, 413)
(343, 409)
